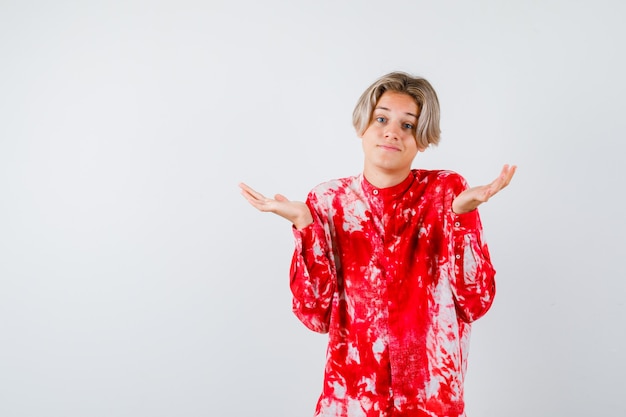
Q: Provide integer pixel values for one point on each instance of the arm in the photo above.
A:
(313, 276)
(473, 282)
(473, 285)
(312, 273)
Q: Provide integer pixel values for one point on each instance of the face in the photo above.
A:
(389, 143)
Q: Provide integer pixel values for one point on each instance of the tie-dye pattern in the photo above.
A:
(395, 278)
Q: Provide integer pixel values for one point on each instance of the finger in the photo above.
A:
(496, 184)
(507, 174)
(247, 188)
(510, 174)
(252, 199)
(260, 203)
(264, 205)
(252, 193)
(256, 203)
(503, 179)
(280, 197)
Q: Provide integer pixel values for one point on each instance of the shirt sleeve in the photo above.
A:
(473, 283)
(312, 276)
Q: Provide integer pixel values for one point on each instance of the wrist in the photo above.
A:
(303, 222)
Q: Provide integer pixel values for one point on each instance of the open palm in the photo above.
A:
(471, 198)
(296, 212)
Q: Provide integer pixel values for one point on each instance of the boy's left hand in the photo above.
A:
(473, 197)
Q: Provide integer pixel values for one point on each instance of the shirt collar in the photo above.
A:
(388, 192)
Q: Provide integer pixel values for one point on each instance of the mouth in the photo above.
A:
(390, 148)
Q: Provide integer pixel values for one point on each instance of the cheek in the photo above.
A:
(368, 132)
(410, 143)
(370, 135)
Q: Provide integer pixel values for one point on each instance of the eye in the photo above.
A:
(381, 119)
(408, 126)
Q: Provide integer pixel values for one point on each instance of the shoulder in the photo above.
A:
(445, 179)
(326, 195)
(335, 186)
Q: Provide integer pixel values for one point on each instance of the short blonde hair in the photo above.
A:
(427, 131)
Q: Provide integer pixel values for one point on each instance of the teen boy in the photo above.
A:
(391, 263)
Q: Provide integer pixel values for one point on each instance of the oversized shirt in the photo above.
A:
(395, 278)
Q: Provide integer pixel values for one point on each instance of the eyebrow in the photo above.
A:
(385, 108)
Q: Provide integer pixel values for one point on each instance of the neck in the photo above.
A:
(385, 180)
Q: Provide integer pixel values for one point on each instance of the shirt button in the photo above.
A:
(457, 224)
(458, 256)
(375, 192)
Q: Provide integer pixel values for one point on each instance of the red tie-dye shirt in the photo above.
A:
(395, 277)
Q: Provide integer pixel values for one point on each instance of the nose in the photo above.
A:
(391, 132)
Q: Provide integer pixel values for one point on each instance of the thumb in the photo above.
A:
(280, 197)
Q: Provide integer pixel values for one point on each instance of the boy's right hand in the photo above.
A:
(296, 212)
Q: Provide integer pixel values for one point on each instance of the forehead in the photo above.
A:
(398, 102)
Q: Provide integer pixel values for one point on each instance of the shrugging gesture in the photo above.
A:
(471, 198)
(388, 269)
(296, 212)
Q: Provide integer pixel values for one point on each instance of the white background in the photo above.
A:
(136, 281)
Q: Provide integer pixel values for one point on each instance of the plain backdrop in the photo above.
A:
(136, 281)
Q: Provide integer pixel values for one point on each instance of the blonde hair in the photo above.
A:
(427, 131)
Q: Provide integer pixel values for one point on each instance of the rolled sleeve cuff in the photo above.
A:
(306, 238)
(466, 222)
